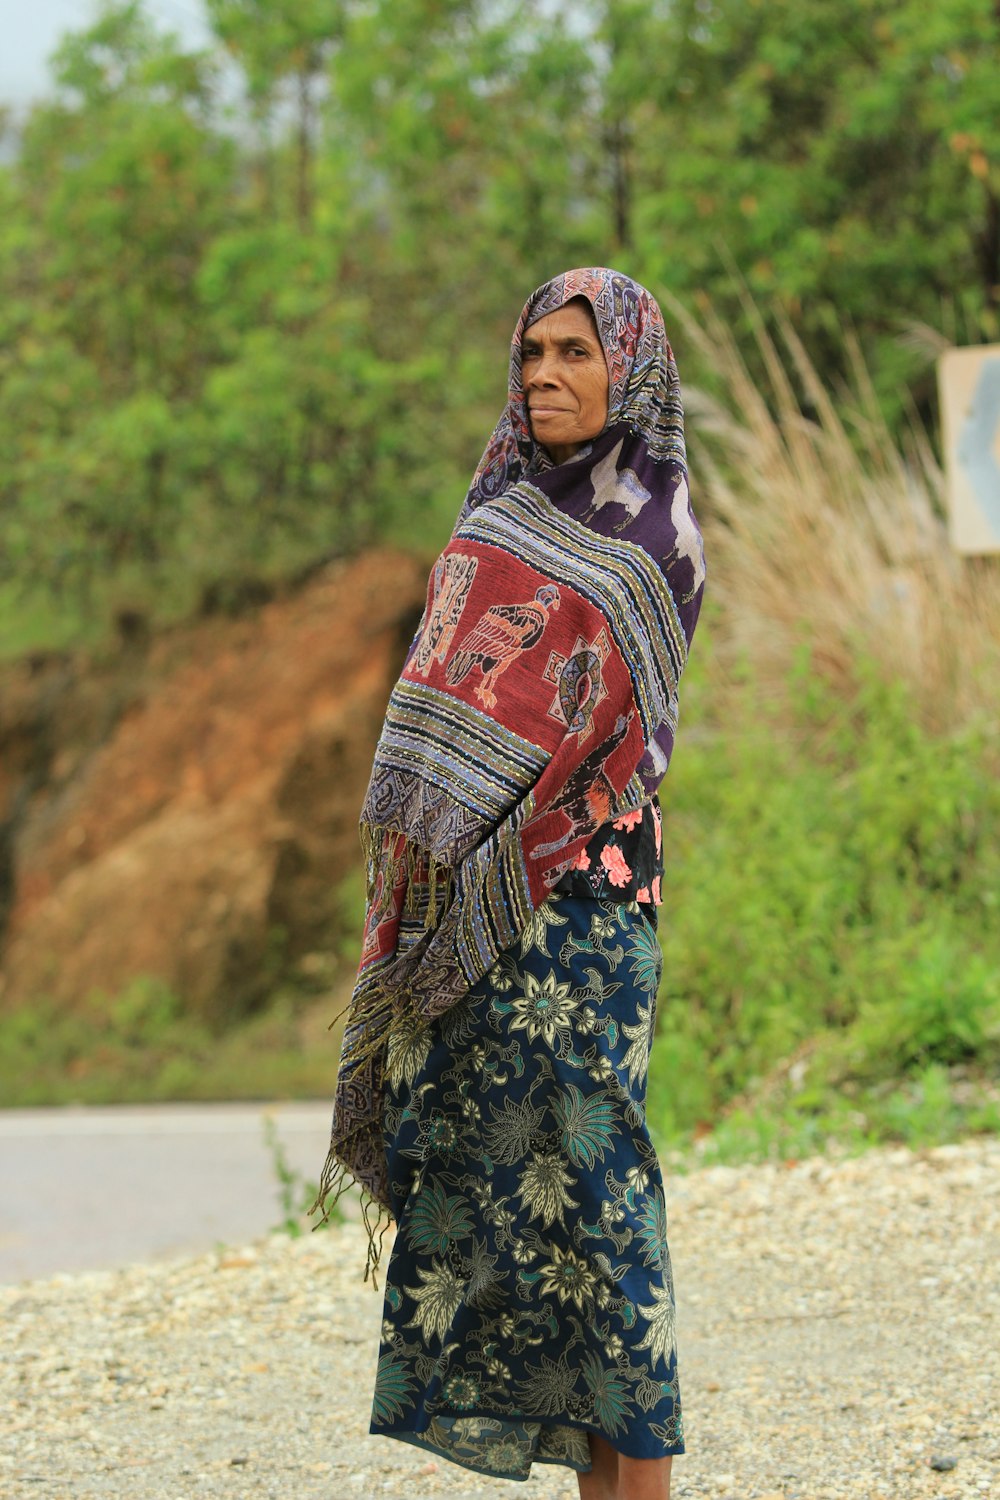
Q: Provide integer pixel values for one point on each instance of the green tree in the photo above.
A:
(117, 188)
(845, 155)
(228, 348)
(282, 43)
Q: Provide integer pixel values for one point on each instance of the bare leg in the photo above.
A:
(643, 1478)
(602, 1481)
(615, 1477)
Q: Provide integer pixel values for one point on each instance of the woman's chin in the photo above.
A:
(559, 445)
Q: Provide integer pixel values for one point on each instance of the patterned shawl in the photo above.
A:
(538, 700)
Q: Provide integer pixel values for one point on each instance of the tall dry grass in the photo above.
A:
(824, 534)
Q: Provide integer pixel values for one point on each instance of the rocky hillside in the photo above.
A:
(186, 807)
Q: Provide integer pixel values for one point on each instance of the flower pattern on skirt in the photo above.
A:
(529, 1297)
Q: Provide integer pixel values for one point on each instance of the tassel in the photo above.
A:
(378, 1009)
(376, 1227)
(334, 1181)
(389, 853)
(430, 916)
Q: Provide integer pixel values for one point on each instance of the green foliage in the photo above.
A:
(236, 345)
(140, 1045)
(295, 1193)
(930, 1108)
(844, 153)
(831, 897)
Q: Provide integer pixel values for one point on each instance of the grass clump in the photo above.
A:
(829, 935)
(140, 1047)
(296, 1193)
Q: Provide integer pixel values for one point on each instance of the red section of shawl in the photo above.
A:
(487, 644)
(516, 626)
(498, 635)
(580, 797)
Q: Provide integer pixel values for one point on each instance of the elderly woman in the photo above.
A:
(492, 1086)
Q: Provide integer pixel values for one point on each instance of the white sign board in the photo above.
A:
(969, 386)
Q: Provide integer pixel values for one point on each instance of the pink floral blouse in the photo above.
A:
(622, 862)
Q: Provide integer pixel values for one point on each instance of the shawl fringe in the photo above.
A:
(335, 1178)
(391, 855)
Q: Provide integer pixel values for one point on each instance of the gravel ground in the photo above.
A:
(838, 1331)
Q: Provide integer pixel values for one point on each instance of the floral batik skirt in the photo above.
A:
(528, 1297)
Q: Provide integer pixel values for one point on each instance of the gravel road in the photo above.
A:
(838, 1328)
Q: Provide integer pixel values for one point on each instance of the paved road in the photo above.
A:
(92, 1188)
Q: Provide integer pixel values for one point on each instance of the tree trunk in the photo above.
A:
(988, 246)
(617, 130)
(303, 194)
(619, 145)
(263, 161)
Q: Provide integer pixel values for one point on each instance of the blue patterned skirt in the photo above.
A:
(529, 1298)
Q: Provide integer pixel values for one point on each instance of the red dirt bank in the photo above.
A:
(170, 816)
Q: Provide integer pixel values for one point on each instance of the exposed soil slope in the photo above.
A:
(187, 809)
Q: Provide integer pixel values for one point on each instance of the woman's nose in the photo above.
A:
(543, 371)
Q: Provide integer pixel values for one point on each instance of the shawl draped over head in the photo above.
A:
(538, 700)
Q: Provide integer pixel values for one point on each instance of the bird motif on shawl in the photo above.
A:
(498, 638)
(589, 796)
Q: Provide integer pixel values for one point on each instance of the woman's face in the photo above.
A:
(565, 379)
